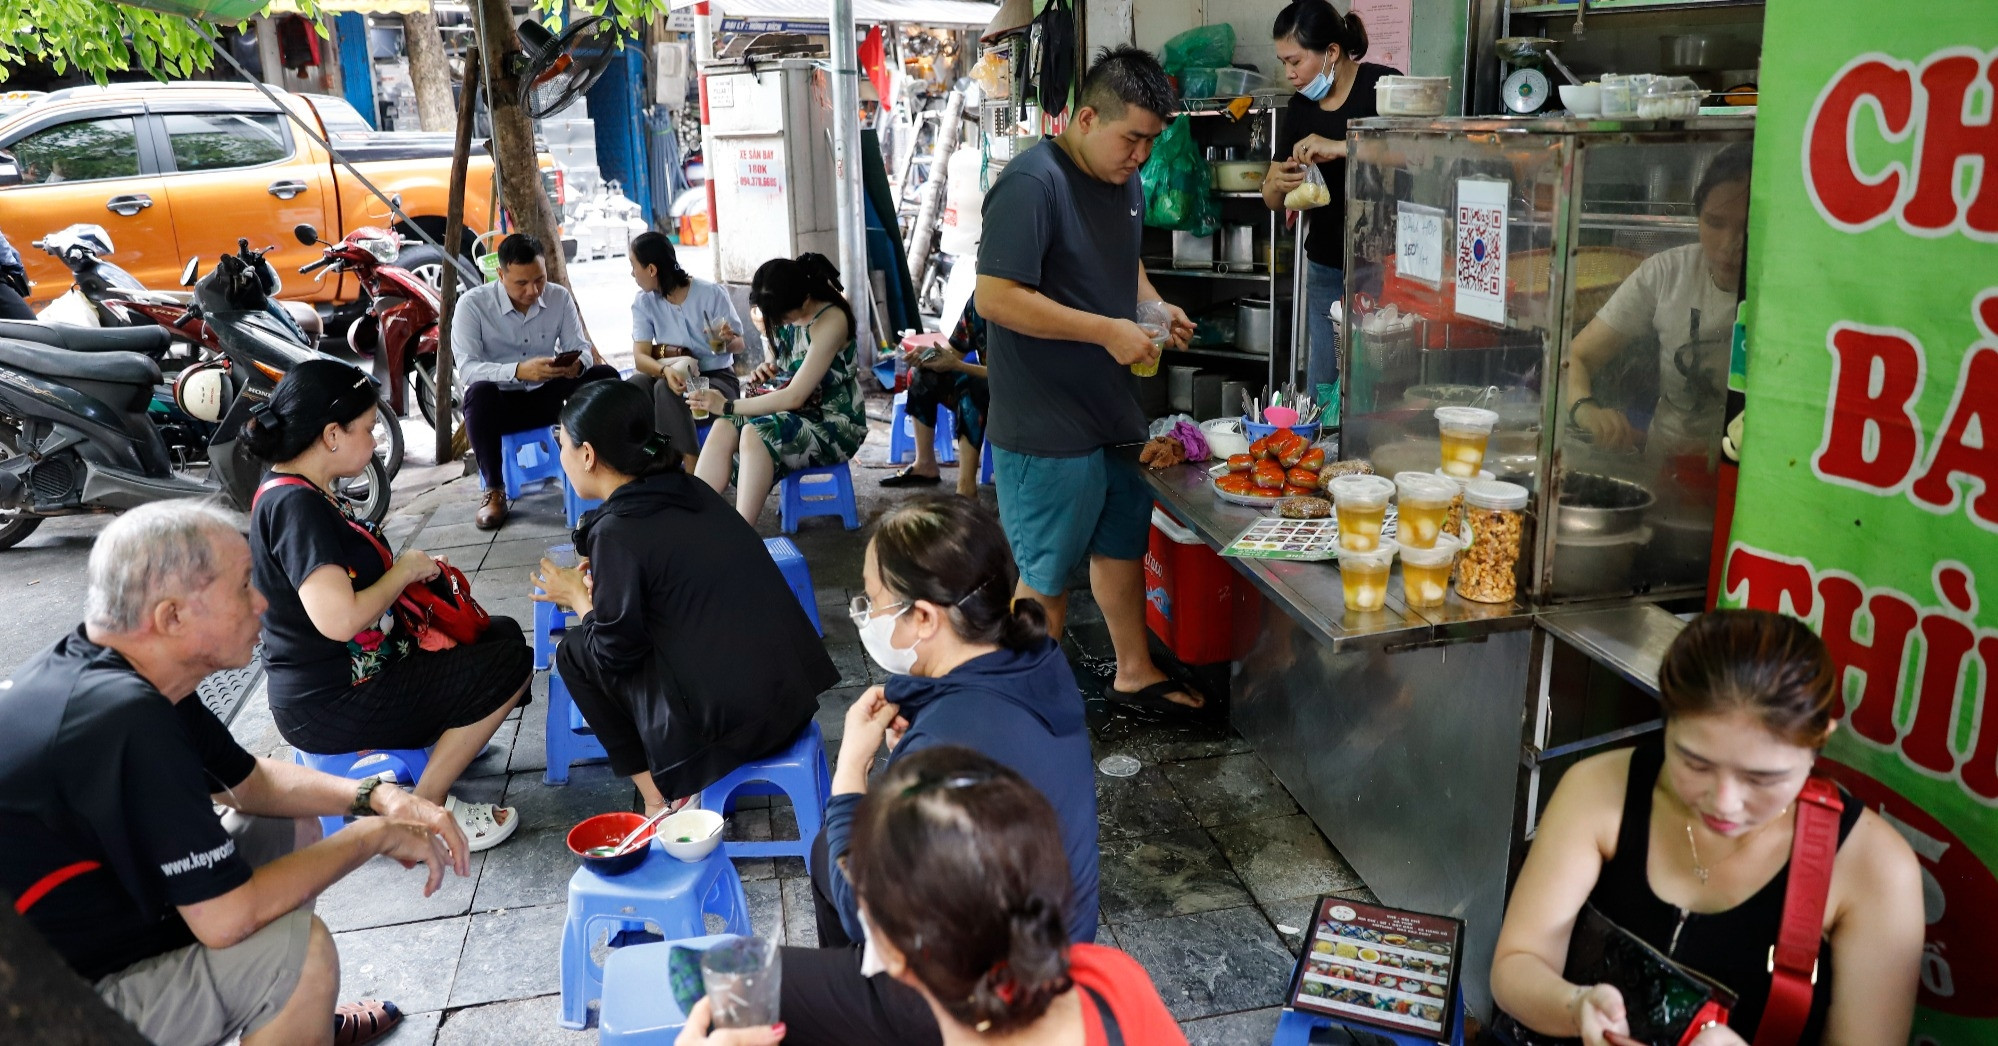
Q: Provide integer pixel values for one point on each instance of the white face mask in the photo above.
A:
(870, 960)
(877, 636)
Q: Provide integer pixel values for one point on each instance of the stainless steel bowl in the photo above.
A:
(1594, 506)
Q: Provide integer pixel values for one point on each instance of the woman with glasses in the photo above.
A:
(679, 692)
(968, 666)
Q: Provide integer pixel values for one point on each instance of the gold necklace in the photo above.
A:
(1703, 872)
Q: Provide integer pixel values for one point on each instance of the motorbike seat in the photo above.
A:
(119, 368)
(148, 340)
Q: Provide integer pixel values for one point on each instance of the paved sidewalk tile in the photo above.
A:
(412, 964)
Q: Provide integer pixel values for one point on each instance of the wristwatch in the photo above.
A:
(1573, 421)
(364, 797)
(728, 407)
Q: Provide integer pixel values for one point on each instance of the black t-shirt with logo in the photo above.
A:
(98, 768)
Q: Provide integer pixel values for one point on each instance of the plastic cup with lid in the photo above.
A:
(1465, 432)
(1361, 502)
(1364, 576)
(1425, 571)
(1424, 500)
(1495, 495)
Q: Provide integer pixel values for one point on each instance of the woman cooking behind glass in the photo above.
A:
(1321, 51)
(1685, 297)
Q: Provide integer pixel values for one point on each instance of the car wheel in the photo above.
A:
(429, 263)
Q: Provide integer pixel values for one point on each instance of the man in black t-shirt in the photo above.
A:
(195, 928)
(1060, 280)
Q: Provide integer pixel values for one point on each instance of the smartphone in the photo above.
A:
(564, 359)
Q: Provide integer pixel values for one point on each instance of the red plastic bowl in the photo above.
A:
(608, 830)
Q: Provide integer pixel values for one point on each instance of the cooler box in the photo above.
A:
(1199, 606)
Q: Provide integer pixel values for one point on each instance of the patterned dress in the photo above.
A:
(830, 427)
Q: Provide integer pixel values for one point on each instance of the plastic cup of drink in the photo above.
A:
(1425, 572)
(1465, 432)
(742, 978)
(1157, 323)
(697, 406)
(564, 556)
(1361, 503)
(1364, 576)
(1425, 503)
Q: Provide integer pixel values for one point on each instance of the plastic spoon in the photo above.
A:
(1281, 417)
(625, 845)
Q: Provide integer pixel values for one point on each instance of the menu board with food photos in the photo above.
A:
(1384, 967)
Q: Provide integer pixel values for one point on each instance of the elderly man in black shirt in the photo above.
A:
(195, 928)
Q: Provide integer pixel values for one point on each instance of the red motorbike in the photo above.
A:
(401, 321)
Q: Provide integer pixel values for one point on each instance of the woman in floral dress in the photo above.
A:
(813, 417)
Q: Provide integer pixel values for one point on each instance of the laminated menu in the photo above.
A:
(1383, 967)
(1309, 540)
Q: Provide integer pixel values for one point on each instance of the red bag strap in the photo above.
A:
(388, 558)
(48, 882)
(1793, 960)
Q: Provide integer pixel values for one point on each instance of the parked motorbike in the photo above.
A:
(105, 295)
(75, 436)
(400, 327)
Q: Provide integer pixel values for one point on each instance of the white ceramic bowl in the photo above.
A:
(703, 827)
(1224, 437)
(1583, 99)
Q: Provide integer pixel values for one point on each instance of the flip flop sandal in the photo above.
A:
(908, 478)
(482, 830)
(364, 1021)
(1153, 698)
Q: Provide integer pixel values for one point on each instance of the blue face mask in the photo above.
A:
(1320, 85)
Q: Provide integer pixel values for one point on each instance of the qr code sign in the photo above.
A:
(1481, 250)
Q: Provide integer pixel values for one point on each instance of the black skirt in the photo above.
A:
(413, 701)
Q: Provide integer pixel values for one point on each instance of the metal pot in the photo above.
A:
(1595, 506)
(1252, 325)
(1192, 252)
(1690, 52)
(1597, 566)
(1238, 250)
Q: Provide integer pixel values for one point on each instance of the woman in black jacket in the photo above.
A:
(678, 690)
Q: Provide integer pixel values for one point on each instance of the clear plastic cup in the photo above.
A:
(1156, 322)
(1496, 517)
(1361, 503)
(1364, 576)
(743, 978)
(1465, 432)
(1425, 500)
(695, 405)
(1425, 572)
(564, 556)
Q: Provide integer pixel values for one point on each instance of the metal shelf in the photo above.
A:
(1202, 274)
(1219, 354)
(1239, 195)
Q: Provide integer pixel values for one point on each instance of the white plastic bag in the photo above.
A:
(1313, 193)
(72, 307)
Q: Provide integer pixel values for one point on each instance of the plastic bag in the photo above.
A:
(1202, 47)
(1313, 193)
(1178, 185)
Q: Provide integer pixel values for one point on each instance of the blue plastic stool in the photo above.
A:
(662, 895)
(902, 433)
(636, 1010)
(797, 575)
(1294, 1028)
(570, 739)
(408, 764)
(799, 502)
(985, 464)
(798, 772)
(574, 504)
(550, 621)
(529, 457)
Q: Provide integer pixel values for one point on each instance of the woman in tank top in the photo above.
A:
(1685, 841)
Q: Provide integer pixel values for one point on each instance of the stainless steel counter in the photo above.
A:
(1410, 736)
(1311, 592)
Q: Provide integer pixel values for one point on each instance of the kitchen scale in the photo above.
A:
(1527, 89)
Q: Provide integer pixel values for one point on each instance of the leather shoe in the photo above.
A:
(492, 510)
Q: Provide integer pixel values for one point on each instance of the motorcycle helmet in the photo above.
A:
(202, 391)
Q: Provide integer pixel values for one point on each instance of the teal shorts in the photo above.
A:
(1057, 511)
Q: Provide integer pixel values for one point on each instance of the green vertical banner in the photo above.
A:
(1868, 501)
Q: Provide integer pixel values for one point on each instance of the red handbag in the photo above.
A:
(441, 612)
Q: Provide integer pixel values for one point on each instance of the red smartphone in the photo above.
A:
(564, 359)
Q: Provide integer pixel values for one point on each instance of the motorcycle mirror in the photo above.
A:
(10, 170)
(192, 272)
(306, 234)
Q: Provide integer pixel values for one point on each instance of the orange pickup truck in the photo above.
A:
(177, 171)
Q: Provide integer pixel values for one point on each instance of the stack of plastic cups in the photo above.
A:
(1465, 432)
(1361, 502)
(1425, 572)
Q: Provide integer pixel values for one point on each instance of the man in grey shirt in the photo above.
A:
(520, 349)
(1059, 282)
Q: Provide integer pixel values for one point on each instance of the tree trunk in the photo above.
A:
(513, 138)
(429, 70)
(44, 1000)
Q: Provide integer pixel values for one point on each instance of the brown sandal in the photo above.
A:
(364, 1021)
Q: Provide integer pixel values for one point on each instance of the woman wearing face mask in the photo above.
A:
(1320, 50)
(970, 666)
(1684, 298)
(676, 701)
(1685, 841)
